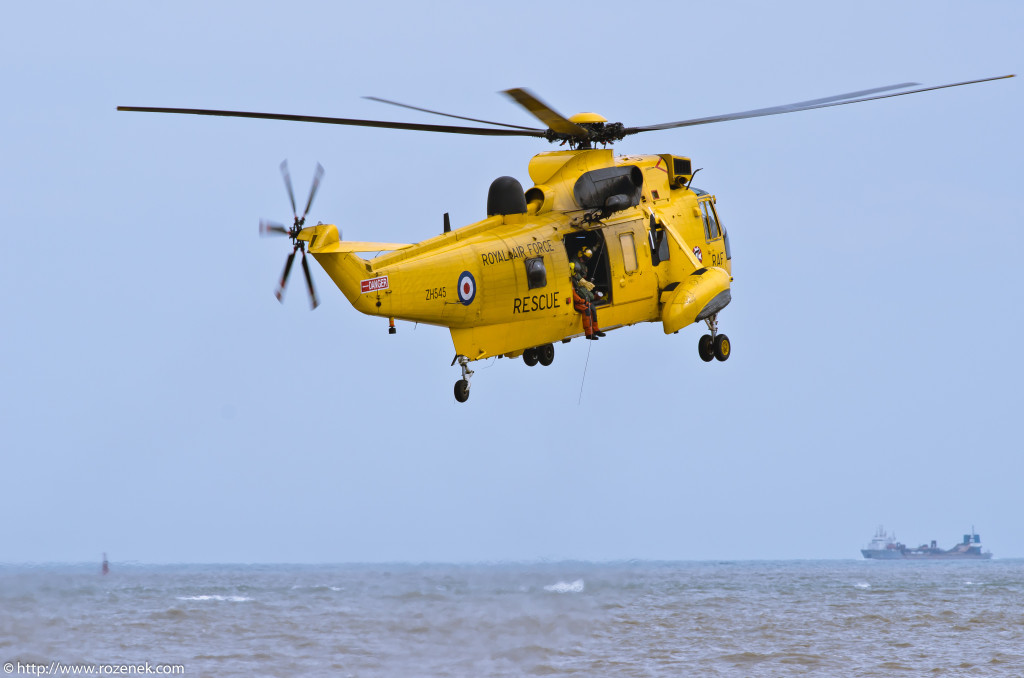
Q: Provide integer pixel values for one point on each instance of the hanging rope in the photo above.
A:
(590, 345)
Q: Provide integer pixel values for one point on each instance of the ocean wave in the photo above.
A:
(566, 587)
(230, 599)
(316, 587)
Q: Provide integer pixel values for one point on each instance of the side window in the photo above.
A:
(658, 242)
(536, 274)
(711, 230)
(628, 252)
(713, 216)
(725, 235)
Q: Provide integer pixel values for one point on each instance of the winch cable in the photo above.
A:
(590, 345)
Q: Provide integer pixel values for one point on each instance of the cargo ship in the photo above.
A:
(886, 547)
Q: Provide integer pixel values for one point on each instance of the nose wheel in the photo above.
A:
(706, 348)
(713, 346)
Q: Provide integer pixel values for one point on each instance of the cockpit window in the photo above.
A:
(711, 230)
(536, 274)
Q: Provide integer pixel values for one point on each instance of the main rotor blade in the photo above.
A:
(288, 184)
(785, 108)
(838, 100)
(547, 115)
(312, 192)
(271, 228)
(449, 115)
(309, 282)
(481, 131)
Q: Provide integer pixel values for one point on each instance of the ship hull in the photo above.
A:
(882, 555)
(892, 554)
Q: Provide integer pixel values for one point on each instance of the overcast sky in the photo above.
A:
(158, 404)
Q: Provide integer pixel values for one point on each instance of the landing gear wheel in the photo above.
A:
(462, 385)
(462, 390)
(722, 347)
(706, 348)
(531, 356)
(546, 354)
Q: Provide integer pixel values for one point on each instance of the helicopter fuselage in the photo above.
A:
(502, 285)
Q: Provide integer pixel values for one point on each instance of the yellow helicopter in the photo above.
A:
(599, 242)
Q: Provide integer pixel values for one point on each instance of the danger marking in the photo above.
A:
(374, 284)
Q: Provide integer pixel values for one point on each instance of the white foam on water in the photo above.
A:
(863, 585)
(566, 587)
(321, 587)
(230, 599)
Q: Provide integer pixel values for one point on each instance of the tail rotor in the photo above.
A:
(270, 228)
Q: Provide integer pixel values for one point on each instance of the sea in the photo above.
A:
(743, 618)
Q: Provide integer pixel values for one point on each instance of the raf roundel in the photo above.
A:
(697, 253)
(467, 288)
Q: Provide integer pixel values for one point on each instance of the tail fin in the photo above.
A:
(338, 259)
